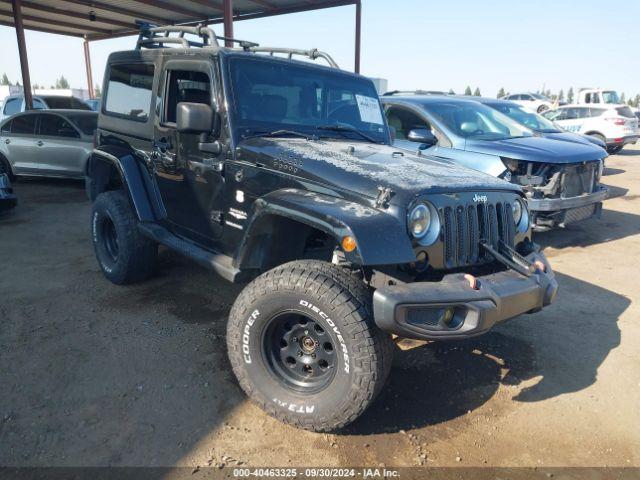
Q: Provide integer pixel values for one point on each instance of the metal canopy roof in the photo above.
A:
(102, 19)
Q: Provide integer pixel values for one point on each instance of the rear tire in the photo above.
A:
(542, 108)
(615, 149)
(304, 347)
(123, 253)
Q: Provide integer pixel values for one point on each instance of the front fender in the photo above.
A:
(135, 178)
(381, 239)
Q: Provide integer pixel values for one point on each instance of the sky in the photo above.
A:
(418, 44)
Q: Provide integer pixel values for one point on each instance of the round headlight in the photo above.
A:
(419, 221)
(517, 212)
(424, 224)
(520, 215)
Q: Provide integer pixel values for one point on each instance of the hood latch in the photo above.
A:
(384, 195)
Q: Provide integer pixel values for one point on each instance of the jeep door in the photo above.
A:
(190, 181)
(20, 145)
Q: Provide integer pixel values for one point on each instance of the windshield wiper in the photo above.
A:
(280, 133)
(346, 128)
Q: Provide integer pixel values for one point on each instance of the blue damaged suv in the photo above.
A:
(560, 178)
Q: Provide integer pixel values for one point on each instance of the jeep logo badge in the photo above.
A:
(480, 198)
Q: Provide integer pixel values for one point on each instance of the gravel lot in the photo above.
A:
(92, 374)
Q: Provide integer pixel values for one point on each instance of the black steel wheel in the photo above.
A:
(299, 352)
(110, 236)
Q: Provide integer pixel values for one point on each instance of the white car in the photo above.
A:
(617, 126)
(532, 101)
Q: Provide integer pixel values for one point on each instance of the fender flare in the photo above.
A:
(381, 239)
(136, 180)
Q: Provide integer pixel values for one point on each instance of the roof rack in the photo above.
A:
(152, 36)
(312, 54)
(414, 92)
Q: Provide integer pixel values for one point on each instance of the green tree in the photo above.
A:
(570, 95)
(5, 80)
(561, 95)
(62, 82)
(623, 99)
(636, 101)
(501, 93)
(98, 92)
(467, 91)
(477, 93)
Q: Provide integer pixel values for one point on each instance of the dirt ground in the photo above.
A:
(92, 374)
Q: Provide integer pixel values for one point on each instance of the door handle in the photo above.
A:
(39, 143)
(7, 141)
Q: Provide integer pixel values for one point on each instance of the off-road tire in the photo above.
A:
(135, 255)
(341, 304)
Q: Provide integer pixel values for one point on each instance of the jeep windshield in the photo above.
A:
(275, 98)
(531, 120)
(474, 121)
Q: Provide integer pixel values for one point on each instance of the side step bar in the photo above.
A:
(219, 263)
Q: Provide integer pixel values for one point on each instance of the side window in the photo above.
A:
(12, 106)
(56, 126)
(555, 114)
(128, 91)
(24, 124)
(582, 112)
(38, 104)
(528, 98)
(587, 98)
(185, 86)
(6, 128)
(596, 112)
(596, 98)
(404, 121)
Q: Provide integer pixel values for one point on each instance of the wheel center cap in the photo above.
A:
(308, 344)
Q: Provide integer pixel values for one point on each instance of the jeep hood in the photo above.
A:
(538, 149)
(363, 167)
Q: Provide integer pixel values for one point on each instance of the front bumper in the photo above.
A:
(557, 204)
(558, 212)
(412, 310)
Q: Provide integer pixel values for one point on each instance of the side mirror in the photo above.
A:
(422, 135)
(194, 118)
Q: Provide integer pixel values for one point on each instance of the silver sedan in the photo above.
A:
(52, 143)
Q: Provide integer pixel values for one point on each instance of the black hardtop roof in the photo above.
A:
(148, 55)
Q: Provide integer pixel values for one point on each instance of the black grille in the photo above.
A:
(465, 226)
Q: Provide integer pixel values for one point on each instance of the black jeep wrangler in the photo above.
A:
(280, 174)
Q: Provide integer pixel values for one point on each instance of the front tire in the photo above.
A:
(123, 253)
(303, 345)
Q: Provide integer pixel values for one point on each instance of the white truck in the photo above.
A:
(598, 95)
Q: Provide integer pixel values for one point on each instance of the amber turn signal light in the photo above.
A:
(348, 243)
(473, 281)
(540, 266)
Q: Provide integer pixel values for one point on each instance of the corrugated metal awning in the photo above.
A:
(101, 19)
